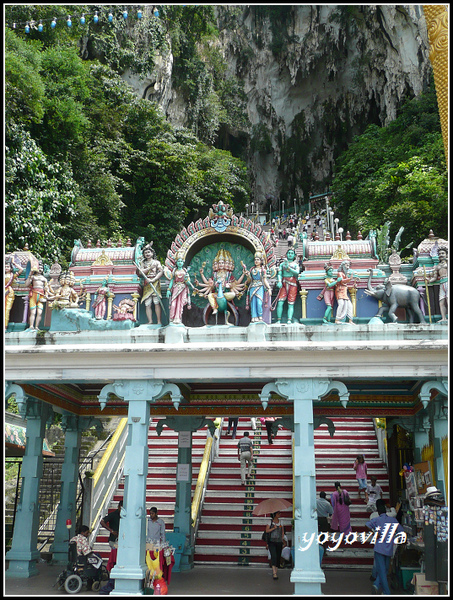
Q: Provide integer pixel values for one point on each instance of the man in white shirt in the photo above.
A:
(245, 456)
(156, 528)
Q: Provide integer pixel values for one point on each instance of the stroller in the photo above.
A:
(82, 571)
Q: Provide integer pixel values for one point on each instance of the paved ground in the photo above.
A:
(210, 581)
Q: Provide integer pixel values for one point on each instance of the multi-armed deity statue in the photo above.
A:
(221, 288)
(226, 265)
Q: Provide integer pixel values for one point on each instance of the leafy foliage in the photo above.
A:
(87, 159)
(396, 174)
(40, 199)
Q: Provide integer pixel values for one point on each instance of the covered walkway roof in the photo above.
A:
(222, 370)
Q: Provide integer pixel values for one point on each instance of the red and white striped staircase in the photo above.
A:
(161, 480)
(334, 462)
(228, 534)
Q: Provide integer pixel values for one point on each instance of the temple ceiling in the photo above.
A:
(379, 398)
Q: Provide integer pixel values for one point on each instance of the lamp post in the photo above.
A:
(247, 209)
(252, 204)
(283, 209)
(331, 223)
(294, 206)
(336, 220)
(340, 231)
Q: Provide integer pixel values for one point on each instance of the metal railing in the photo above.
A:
(100, 488)
(50, 489)
(381, 436)
(210, 453)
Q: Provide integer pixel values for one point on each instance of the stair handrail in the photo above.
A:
(87, 461)
(380, 436)
(87, 465)
(101, 487)
(210, 451)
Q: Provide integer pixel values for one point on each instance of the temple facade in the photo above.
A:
(222, 326)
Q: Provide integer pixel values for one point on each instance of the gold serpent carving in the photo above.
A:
(437, 24)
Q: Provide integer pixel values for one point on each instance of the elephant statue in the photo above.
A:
(396, 295)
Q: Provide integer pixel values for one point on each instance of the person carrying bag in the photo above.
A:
(276, 532)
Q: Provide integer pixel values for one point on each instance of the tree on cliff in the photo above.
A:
(396, 173)
(87, 159)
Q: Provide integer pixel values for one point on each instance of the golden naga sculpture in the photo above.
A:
(437, 23)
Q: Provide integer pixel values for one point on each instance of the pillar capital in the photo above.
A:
(140, 389)
(70, 422)
(304, 389)
(29, 407)
(12, 389)
(440, 384)
(407, 423)
(185, 424)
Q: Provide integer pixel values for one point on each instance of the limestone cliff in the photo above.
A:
(314, 76)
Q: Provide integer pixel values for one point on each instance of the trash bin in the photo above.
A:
(178, 541)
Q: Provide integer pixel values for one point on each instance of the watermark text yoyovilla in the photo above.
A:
(386, 534)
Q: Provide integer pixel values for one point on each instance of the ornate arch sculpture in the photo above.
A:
(221, 225)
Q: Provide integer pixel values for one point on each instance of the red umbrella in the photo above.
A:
(271, 505)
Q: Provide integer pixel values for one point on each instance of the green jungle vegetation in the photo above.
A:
(85, 158)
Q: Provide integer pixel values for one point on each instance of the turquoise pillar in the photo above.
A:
(183, 504)
(130, 569)
(421, 434)
(439, 418)
(183, 517)
(73, 426)
(440, 431)
(307, 574)
(24, 553)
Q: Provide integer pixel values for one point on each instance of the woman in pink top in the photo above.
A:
(360, 467)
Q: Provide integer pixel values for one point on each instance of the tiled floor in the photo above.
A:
(211, 581)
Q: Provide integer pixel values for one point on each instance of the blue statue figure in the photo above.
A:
(258, 288)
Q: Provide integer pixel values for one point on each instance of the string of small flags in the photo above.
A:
(82, 19)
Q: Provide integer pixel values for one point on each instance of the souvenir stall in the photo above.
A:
(423, 564)
(160, 561)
